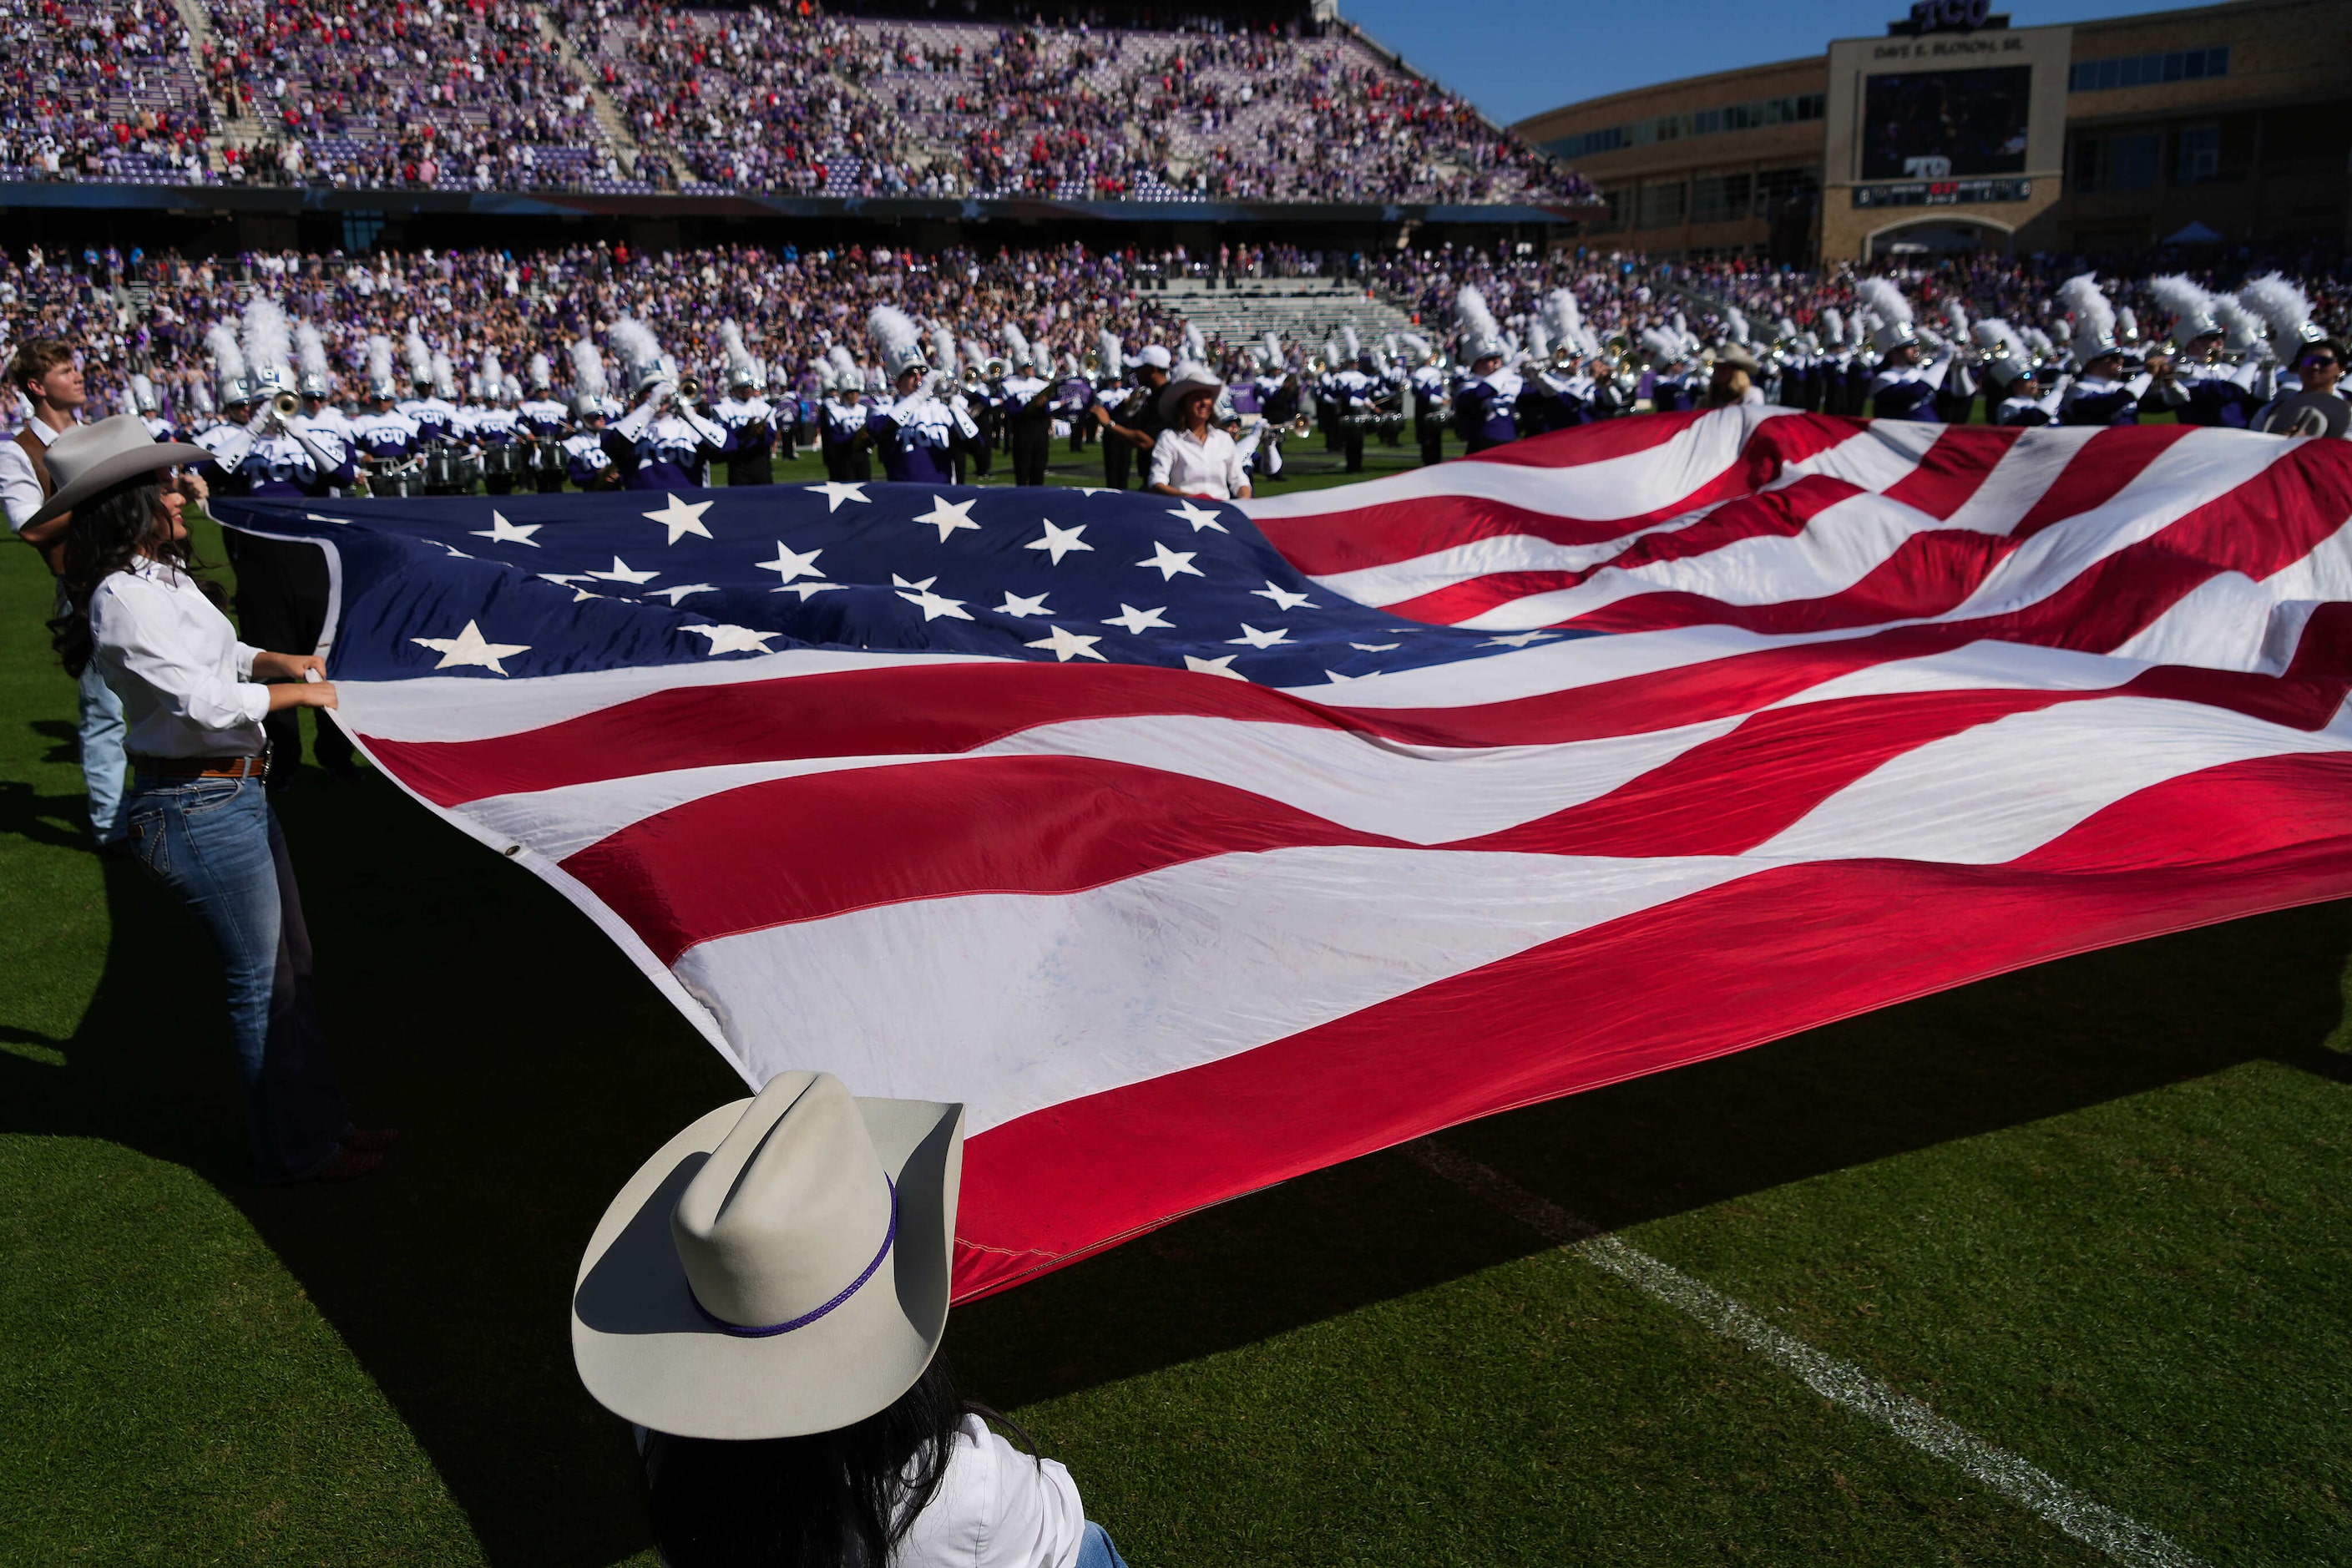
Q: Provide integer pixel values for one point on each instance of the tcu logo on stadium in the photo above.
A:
(1950, 15)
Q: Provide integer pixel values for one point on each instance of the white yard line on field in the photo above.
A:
(1839, 1382)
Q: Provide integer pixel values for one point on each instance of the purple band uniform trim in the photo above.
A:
(806, 1319)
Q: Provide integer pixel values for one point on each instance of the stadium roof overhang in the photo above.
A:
(91, 195)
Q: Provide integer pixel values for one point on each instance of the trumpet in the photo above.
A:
(689, 388)
(286, 404)
(1091, 363)
(1302, 425)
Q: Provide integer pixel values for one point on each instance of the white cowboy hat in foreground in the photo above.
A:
(88, 458)
(779, 1268)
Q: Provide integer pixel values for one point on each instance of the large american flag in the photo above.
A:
(1195, 846)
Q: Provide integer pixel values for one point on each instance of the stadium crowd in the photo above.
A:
(779, 97)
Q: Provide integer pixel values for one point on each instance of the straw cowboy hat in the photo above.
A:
(88, 458)
(1188, 378)
(779, 1268)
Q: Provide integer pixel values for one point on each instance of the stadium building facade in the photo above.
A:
(2219, 123)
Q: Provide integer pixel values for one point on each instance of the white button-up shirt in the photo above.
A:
(20, 488)
(995, 1508)
(1208, 466)
(175, 660)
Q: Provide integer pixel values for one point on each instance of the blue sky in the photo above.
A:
(1516, 58)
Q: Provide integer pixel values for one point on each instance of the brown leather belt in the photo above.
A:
(251, 767)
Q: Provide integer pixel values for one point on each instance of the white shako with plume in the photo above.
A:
(383, 433)
(1481, 337)
(235, 387)
(1110, 355)
(542, 375)
(643, 364)
(2006, 356)
(588, 384)
(419, 356)
(1893, 326)
(915, 431)
(1016, 347)
(743, 369)
(380, 380)
(896, 339)
(848, 382)
(268, 341)
(310, 355)
(2285, 309)
(2189, 306)
(2093, 331)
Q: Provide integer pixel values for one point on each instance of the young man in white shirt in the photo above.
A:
(1192, 457)
(46, 373)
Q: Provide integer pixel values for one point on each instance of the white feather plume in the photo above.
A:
(445, 377)
(587, 369)
(1272, 349)
(493, 374)
(1881, 299)
(310, 351)
(892, 330)
(419, 357)
(1471, 314)
(1956, 314)
(2282, 304)
(1111, 352)
(635, 344)
(1015, 342)
(2179, 296)
(943, 350)
(379, 359)
(2094, 315)
(268, 338)
(2241, 328)
(540, 373)
(1832, 323)
(1349, 343)
(228, 359)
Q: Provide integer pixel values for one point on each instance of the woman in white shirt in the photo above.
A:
(197, 816)
(764, 1301)
(1192, 457)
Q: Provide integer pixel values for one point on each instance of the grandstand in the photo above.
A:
(650, 108)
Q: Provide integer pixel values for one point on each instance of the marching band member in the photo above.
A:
(1485, 400)
(1905, 385)
(915, 433)
(585, 462)
(1431, 406)
(383, 437)
(543, 425)
(434, 383)
(1141, 414)
(498, 428)
(1111, 393)
(2098, 395)
(2318, 407)
(2198, 384)
(749, 418)
(282, 586)
(1028, 411)
(662, 444)
(227, 439)
(846, 441)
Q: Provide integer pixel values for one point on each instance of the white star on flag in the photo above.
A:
(1169, 563)
(1283, 598)
(1060, 542)
(1019, 607)
(835, 491)
(1200, 517)
(1516, 639)
(622, 573)
(1224, 667)
(501, 531)
(806, 590)
(734, 639)
(1067, 645)
(682, 518)
(674, 595)
(1339, 680)
(1377, 646)
(1137, 622)
(933, 606)
(580, 593)
(947, 516)
(1257, 639)
(470, 647)
(453, 549)
(792, 562)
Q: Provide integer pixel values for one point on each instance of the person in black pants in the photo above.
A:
(281, 606)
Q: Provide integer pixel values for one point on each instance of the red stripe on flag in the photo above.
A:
(1706, 975)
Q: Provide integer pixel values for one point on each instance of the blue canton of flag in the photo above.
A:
(527, 585)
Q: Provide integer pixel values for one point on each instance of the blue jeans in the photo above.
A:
(216, 843)
(1095, 1549)
(102, 762)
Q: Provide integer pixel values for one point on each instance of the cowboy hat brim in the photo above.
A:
(647, 1352)
(113, 469)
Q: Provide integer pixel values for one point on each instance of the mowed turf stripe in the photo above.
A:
(1842, 1383)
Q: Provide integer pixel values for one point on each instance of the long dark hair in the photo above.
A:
(109, 532)
(842, 1498)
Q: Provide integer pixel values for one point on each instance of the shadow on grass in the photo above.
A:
(533, 1070)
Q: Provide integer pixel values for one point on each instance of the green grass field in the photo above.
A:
(2094, 1212)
